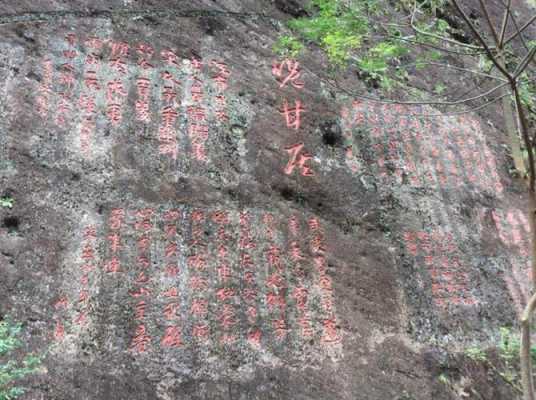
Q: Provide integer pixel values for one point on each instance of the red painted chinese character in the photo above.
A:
(83, 297)
(90, 80)
(142, 278)
(224, 294)
(196, 90)
(325, 283)
(196, 63)
(298, 160)
(144, 87)
(139, 311)
(119, 49)
(172, 337)
(293, 225)
(114, 114)
(94, 43)
(293, 114)
(61, 303)
(168, 94)
(280, 328)
(88, 253)
(227, 317)
(295, 252)
(172, 292)
(81, 319)
(246, 261)
(306, 326)
(90, 232)
(171, 250)
(292, 76)
(224, 272)
(169, 57)
(300, 294)
(140, 292)
(197, 261)
(198, 283)
(170, 230)
(168, 76)
(252, 314)
(116, 218)
(227, 339)
(114, 241)
(170, 311)
(199, 307)
(317, 244)
(273, 255)
(87, 103)
(119, 65)
(115, 87)
(275, 299)
(59, 331)
(142, 111)
(201, 331)
(197, 113)
(141, 339)
(330, 334)
(254, 337)
(143, 243)
(143, 261)
(171, 215)
(114, 265)
(249, 294)
(172, 270)
(275, 281)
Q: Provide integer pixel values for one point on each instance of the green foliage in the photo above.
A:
(443, 379)
(339, 46)
(439, 89)
(476, 353)
(11, 369)
(339, 29)
(509, 345)
(527, 92)
(288, 46)
(6, 202)
(343, 29)
(378, 57)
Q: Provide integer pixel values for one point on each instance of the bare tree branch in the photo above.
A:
(520, 31)
(438, 47)
(455, 42)
(526, 364)
(523, 64)
(490, 23)
(482, 41)
(528, 142)
(516, 26)
(504, 24)
(456, 68)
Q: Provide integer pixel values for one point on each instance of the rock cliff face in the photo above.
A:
(196, 218)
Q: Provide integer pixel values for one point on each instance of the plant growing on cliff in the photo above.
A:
(12, 370)
(6, 202)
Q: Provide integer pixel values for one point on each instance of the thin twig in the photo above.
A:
(456, 68)
(505, 24)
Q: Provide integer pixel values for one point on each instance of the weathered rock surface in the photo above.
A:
(171, 238)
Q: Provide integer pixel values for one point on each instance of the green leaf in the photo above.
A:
(6, 202)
